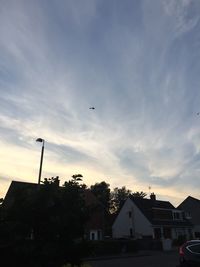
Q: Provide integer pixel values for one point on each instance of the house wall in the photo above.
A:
(137, 222)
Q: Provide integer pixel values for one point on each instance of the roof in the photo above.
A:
(192, 200)
(149, 203)
(17, 187)
(148, 207)
(192, 206)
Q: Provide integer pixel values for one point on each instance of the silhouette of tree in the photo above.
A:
(74, 206)
(52, 180)
(52, 216)
(102, 192)
(77, 177)
(119, 196)
(139, 194)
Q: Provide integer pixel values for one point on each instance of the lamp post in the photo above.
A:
(41, 159)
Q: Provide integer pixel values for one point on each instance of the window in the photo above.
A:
(177, 215)
(129, 214)
(194, 248)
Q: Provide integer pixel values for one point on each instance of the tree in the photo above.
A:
(140, 194)
(102, 192)
(52, 180)
(77, 177)
(118, 196)
(55, 216)
(74, 213)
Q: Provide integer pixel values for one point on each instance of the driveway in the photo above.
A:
(142, 259)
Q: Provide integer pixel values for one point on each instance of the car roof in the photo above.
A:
(193, 241)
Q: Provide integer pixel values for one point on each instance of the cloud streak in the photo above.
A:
(135, 62)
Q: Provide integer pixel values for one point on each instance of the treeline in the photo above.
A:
(44, 225)
(114, 199)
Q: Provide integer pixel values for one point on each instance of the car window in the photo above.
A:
(195, 248)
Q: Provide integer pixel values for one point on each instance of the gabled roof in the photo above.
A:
(192, 206)
(192, 200)
(17, 187)
(145, 203)
(147, 206)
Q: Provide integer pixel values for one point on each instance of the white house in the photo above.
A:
(140, 218)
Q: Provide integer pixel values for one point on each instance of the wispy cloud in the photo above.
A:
(185, 14)
(136, 62)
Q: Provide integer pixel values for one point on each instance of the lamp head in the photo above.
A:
(39, 140)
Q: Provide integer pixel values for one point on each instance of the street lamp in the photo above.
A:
(41, 159)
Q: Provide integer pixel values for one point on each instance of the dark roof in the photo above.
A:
(17, 187)
(190, 199)
(147, 206)
(192, 206)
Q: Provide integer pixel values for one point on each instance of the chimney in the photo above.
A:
(153, 197)
(57, 181)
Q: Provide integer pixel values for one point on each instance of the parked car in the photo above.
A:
(189, 254)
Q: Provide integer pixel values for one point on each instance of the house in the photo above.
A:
(191, 206)
(94, 227)
(150, 218)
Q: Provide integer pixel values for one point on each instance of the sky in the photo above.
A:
(136, 61)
